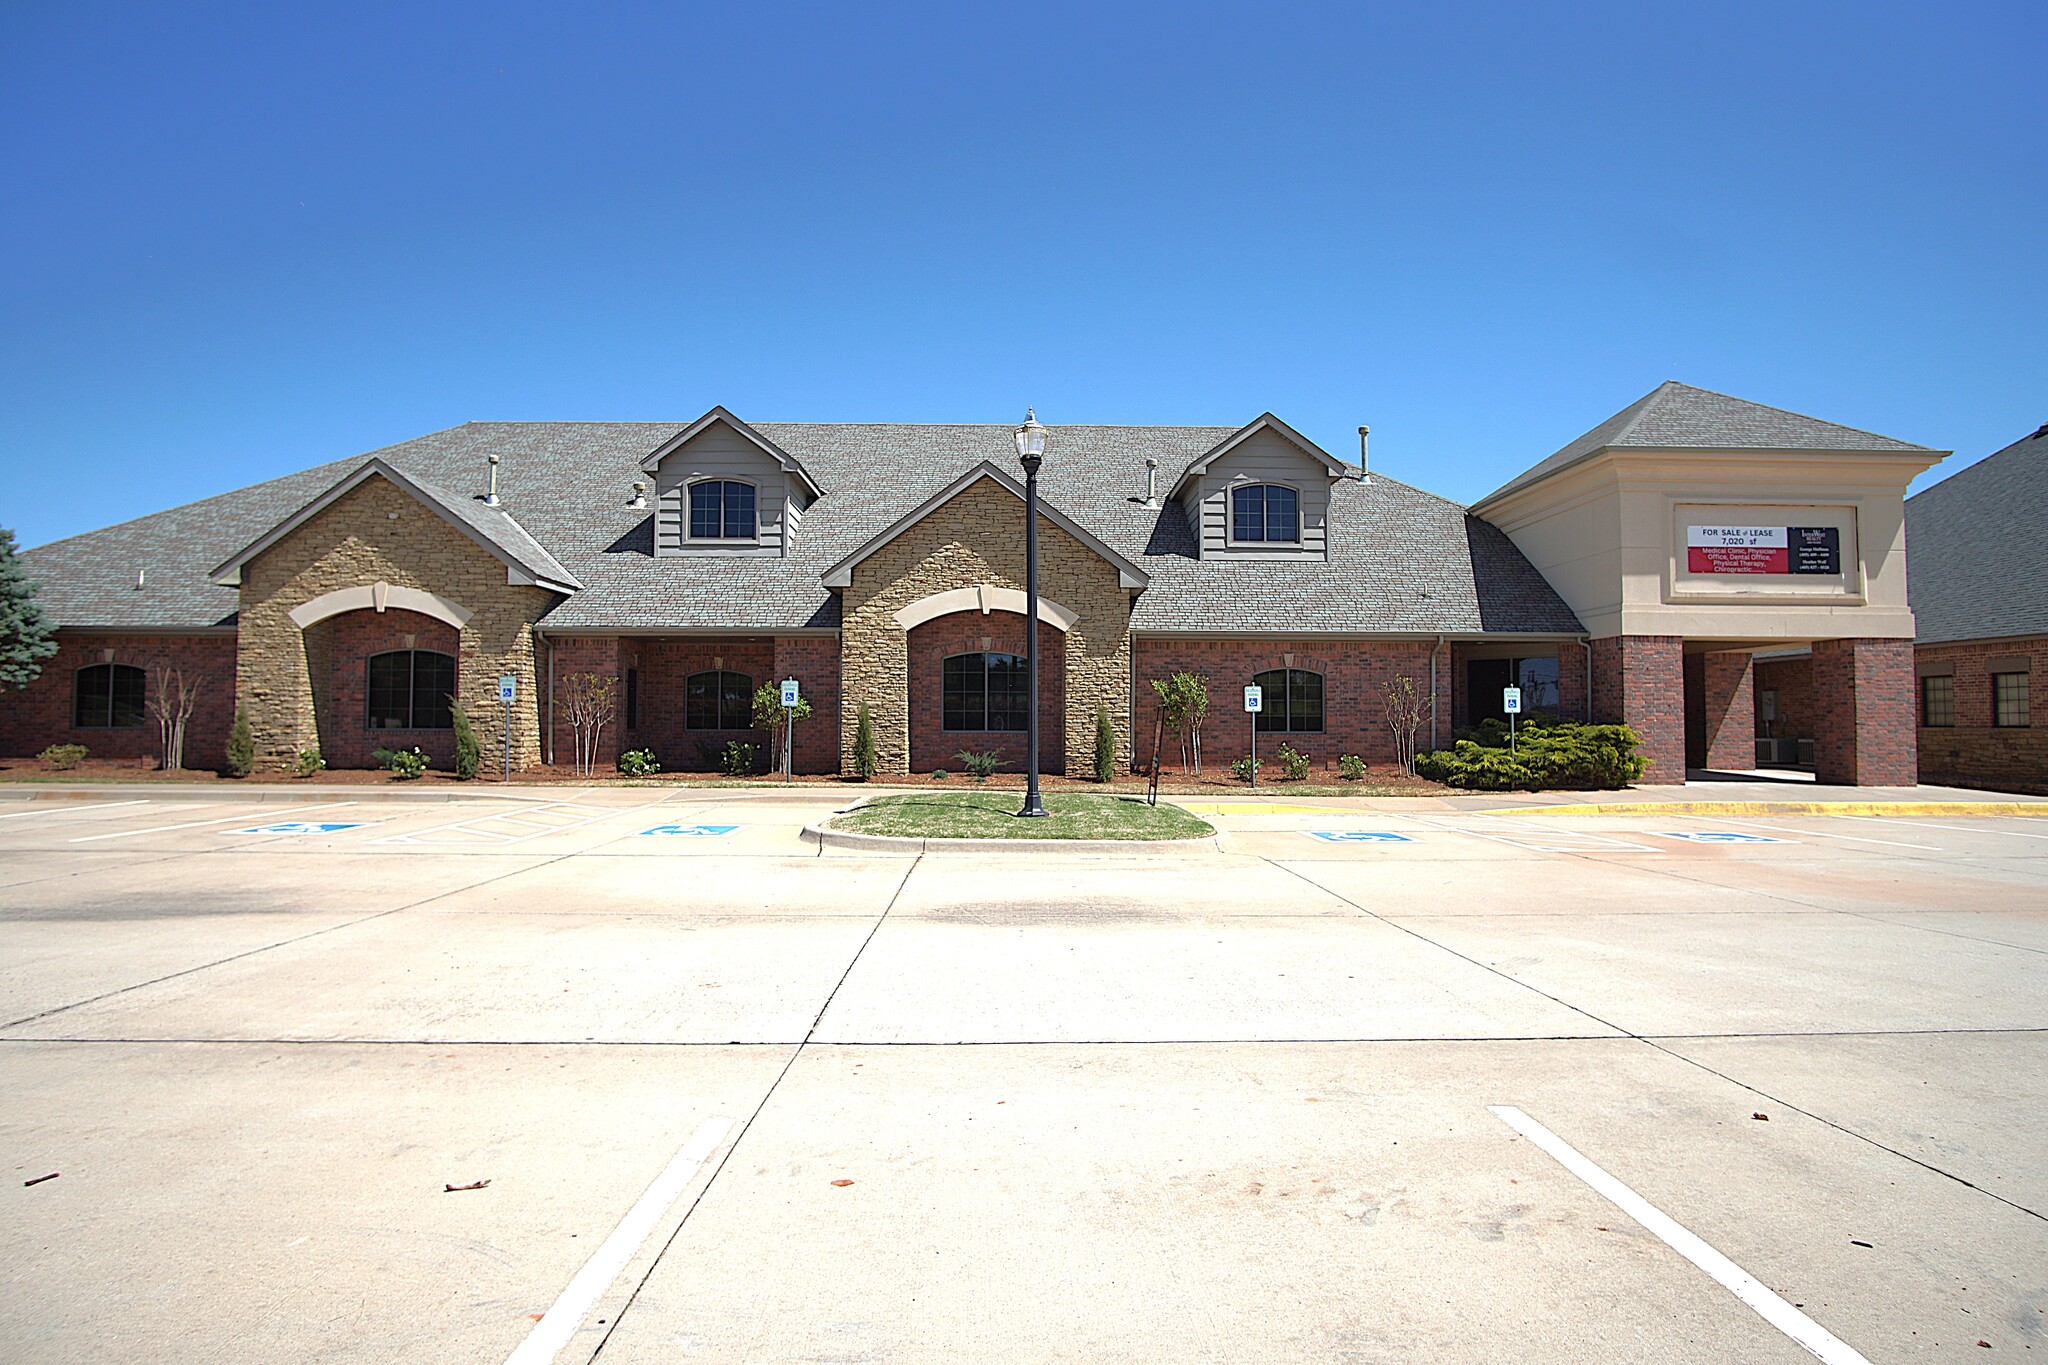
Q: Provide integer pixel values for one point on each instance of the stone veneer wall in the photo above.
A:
(1973, 752)
(40, 714)
(975, 538)
(375, 533)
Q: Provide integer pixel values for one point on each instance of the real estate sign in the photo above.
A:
(1763, 549)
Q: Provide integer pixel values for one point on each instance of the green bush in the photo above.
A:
(1293, 763)
(241, 747)
(638, 763)
(469, 758)
(738, 759)
(1351, 767)
(1244, 768)
(940, 774)
(1547, 754)
(310, 761)
(63, 755)
(1105, 745)
(864, 761)
(402, 764)
(983, 766)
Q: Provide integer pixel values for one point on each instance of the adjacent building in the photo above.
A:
(1633, 576)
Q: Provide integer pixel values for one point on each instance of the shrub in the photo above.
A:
(1351, 767)
(310, 761)
(241, 747)
(469, 758)
(406, 764)
(1244, 768)
(1293, 763)
(63, 755)
(738, 759)
(638, 763)
(864, 760)
(940, 774)
(983, 766)
(1548, 754)
(1105, 745)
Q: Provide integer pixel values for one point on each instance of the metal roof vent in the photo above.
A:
(1364, 469)
(491, 498)
(639, 493)
(1151, 482)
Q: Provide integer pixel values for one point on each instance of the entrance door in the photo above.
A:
(1485, 680)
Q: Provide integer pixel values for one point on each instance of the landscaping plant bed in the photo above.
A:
(992, 815)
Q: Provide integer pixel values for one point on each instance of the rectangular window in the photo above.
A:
(2009, 700)
(985, 692)
(1938, 701)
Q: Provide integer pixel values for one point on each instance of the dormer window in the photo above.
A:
(1265, 514)
(722, 509)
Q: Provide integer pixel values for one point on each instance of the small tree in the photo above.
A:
(1105, 745)
(1404, 717)
(241, 747)
(1184, 703)
(172, 698)
(771, 715)
(591, 699)
(864, 760)
(469, 755)
(25, 633)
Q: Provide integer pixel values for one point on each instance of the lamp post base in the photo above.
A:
(1033, 807)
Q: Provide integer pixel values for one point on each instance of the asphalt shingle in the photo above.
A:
(1977, 548)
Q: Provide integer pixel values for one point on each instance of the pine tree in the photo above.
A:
(24, 631)
(469, 758)
(864, 761)
(241, 747)
(1105, 746)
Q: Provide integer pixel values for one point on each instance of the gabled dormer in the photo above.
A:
(1262, 494)
(723, 489)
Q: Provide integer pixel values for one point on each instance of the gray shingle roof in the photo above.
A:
(1400, 560)
(1977, 548)
(1676, 416)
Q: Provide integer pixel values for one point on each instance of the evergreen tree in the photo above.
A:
(864, 760)
(241, 747)
(24, 631)
(469, 757)
(1105, 746)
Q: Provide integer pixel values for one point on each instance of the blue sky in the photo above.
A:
(240, 240)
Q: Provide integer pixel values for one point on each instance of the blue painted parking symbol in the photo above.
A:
(692, 831)
(1357, 836)
(299, 827)
(1720, 836)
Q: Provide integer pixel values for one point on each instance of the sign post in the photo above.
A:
(508, 688)
(790, 696)
(1254, 702)
(1511, 702)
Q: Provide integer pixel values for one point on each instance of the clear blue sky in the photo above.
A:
(237, 240)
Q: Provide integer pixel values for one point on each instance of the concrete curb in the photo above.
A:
(1880, 808)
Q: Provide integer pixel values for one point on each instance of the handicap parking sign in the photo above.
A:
(299, 827)
(1720, 836)
(691, 831)
(1358, 836)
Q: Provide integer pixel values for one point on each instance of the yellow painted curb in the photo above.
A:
(1898, 808)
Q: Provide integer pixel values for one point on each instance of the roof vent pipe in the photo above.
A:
(639, 493)
(1151, 482)
(1364, 468)
(491, 498)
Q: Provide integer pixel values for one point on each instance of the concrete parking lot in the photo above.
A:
(1301, 1098)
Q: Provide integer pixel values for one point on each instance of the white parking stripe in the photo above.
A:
(195, 824)
(1825, 834)
(1730, 1276)
(476, 831)
(1965, 829)
(1535, 839)
(560, 1322)
(72, 810)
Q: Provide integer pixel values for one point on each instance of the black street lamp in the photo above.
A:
(1031, 452)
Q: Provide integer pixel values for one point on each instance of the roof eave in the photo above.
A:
(788, 462)
(1265, 421)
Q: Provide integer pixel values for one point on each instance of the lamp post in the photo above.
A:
(1031, 453)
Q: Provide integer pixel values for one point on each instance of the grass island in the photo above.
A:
(992, 815)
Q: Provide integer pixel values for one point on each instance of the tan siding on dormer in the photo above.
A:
(719, 452)
(1263, 458)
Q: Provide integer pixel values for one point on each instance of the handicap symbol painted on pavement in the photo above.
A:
(692, 831)
(1357, 836)
(1720, 836)
(300, 827)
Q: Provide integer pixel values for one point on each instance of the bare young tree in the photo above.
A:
(1404, 717)
(1184, 704)
(172, 698)
(591, 700)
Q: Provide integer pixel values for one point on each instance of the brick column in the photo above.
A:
(1863, 721)
(1639, 681)
(814, 662)
(1729, 697)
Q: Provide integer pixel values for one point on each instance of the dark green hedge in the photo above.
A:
(1547, 754)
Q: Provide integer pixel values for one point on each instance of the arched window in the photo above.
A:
(108, 696)
(1293, 700)
(985, 692)
(409, 689)
(1265, 513)
(722, 509)
(718, 701)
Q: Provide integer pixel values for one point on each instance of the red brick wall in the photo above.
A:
(1863, 703)
(597, 655)
(1792, 680)
(1973, 752)
(1354, 708)
(814, 662)
(1720, 711)
(1639, 681)
(338, 651)
(40, 714)
(933, 746)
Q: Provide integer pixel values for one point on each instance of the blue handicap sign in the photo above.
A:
(1720, 836)
(1357, 836)
(300, 827)
(692, 831)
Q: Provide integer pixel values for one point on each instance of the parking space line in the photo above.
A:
(195, 824)
(1809, 1334)
(1963, 829)
(1825, 834)
(559, 1323)
(73, 810)
(571, 816)
(1535, 840)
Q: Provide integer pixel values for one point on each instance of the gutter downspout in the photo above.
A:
(1586, 644)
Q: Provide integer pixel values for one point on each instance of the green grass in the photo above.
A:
(992, 815)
